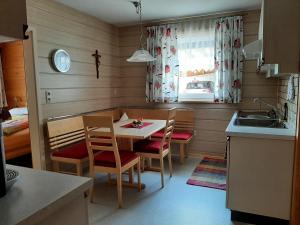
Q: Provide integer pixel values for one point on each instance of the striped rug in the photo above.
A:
(211, 172)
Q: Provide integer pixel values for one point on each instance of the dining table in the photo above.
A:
(125, 129)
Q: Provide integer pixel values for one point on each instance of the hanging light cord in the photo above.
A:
(138, 6)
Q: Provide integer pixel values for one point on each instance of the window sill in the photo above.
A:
(210, 101)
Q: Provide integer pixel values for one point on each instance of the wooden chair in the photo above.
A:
(153, 149)
(67, 139)
(183, 131)
(104, 155)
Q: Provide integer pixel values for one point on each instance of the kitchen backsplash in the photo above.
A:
(283, 98)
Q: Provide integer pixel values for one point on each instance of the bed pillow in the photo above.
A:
(16, 124)
(19, 111)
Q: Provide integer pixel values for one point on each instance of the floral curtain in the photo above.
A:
(229, 59)
(3, 101)
(163, 73)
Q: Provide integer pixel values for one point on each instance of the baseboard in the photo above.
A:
(256, 219)
(199, 155)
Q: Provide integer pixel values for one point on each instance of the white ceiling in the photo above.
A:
(122, 12)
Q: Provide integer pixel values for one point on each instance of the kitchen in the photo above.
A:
(254, 131)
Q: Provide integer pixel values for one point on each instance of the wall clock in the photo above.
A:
(61, 60)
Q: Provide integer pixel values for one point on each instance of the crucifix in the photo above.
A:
(97, 61)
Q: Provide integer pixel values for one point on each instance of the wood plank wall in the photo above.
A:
(77, 91)
(211, 119)
(14, 73)
(282, 99)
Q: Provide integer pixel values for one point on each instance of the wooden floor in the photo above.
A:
(176, 204)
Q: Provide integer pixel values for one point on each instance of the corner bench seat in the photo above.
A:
(74, 151)
(177, 135)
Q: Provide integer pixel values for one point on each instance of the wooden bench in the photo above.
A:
(67, 140)
(184, 126)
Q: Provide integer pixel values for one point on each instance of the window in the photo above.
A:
(196, 62)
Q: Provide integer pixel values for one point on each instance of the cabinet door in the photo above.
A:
(12, 18)
(260, 176)
(281, 34)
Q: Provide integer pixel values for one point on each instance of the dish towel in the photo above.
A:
(291, 89)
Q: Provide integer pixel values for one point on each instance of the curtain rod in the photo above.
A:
(200, 17)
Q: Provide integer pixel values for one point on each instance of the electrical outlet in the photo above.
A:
(48, 96)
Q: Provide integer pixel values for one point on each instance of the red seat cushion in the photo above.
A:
(148, 146)
(107, 158)
(73, 151)
(177, 135)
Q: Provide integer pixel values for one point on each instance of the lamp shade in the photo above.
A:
(253, 50)
(141, 55)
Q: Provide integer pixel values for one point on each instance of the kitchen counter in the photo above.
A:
(38, 195)
(259, 132)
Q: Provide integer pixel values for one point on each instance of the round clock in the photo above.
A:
(61, 60)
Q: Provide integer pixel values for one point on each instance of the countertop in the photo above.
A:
(37, 194)
(259, 132)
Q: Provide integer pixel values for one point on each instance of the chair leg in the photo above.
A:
(181, 152)
(92, 188)
(109, 177)
(119, 187)
(162, 171)
(55, 166)
(186, 151)
(149, 162)
(139, 175)
(130, 174)
(79, 169)
(170, 163)
(143, 164)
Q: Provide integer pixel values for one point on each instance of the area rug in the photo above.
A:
(211, 173)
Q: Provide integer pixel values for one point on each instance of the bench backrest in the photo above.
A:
(114, 113)
(185, 120)
(185, 117)
(63, 132)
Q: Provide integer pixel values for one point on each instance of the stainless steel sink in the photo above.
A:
(258, 119)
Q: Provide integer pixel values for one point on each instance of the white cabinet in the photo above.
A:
(280, 32)
(12, 19)
(260, 176)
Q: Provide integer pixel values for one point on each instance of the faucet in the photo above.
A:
(273, 113)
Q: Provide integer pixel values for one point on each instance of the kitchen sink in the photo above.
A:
(258, 119)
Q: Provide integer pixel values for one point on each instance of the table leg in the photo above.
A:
(131, 170)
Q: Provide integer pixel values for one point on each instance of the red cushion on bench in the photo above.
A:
(177, 135)
(73, 151)
(107, 158)
(148, 146)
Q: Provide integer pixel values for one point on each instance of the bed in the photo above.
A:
(16, 135)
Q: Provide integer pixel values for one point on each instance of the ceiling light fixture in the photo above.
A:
(140, 55)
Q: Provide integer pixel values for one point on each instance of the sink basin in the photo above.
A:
(257, 119)
(268, 123)
(254, 114)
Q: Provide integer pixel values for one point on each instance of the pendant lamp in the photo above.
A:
(140, 55)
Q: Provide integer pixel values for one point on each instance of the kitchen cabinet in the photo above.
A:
(260, 176)
(45, 198)
(280, 32)
(12, 19)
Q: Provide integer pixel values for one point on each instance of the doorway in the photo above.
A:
(16, 129)
(23, 132)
